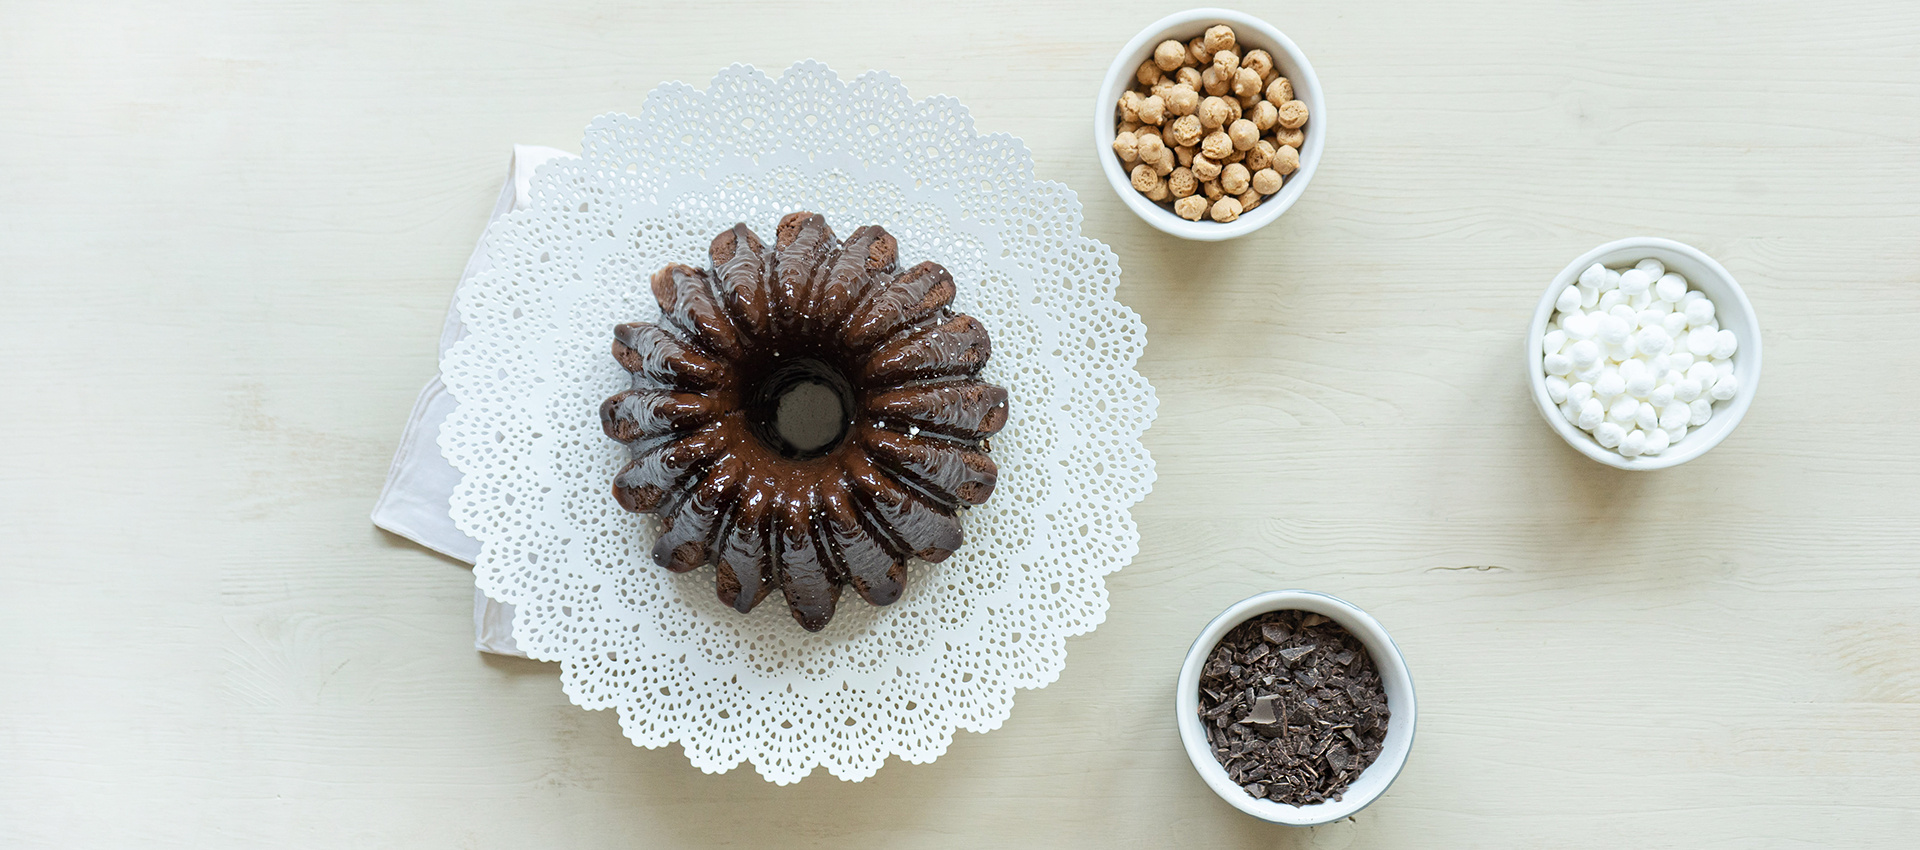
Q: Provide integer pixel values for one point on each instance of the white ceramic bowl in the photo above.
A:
(1731, 308)
(1249, 31)
(1393, 676)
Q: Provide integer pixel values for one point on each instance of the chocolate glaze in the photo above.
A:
(730, 491)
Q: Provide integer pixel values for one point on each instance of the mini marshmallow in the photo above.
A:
(1588, 296)
(1558, 364)
(1624, 409)
(1608, 299)
(1610, 385)
(1702, 373)
(1646, 417)
(1609, 434)
(1676, 434)
(1591, 414)
(1658, 368)
(1648, 318)
(1613, 281)
(1722, 369)
(1699, 411)
(1580, 392)
(1657, 441)
(1634, 444)
(1579, 325)
(1554, 341)
(1675, 415)
(1724, 344)
(1654, 268)
(1686, 390)
(1557, 389)
(1614, 330)
(1670, 288)
(1626, 313)
(1641, 301)
(1620, 353)
(1653, 340)
(1634, 282)
(1585, 353)
(1594, 276)
(1569, 300)
(1674, 324)
(1700, 342)
(1589, 374)
(1680, 361)
(1661, 396)
(1692, 296)
(1725, 388)
(1699, 311)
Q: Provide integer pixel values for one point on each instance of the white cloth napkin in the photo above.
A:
(420, 483)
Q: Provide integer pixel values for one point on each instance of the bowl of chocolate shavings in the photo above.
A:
(1296, 707)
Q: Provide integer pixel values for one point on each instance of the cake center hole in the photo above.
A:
(802, 409)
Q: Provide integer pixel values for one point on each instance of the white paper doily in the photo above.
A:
(660, 648)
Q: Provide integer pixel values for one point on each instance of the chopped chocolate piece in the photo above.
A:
(1288, 723)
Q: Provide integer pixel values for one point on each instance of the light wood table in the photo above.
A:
(230, 230)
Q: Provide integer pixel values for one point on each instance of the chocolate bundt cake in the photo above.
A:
(709, 379)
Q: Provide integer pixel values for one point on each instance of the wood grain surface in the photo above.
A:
(229, 231)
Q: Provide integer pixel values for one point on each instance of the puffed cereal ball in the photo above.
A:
(1126, 147)
(1159, 193)
(1183, 99)
(1183, 154)
(1130, 106)
(1267, 181)
(1293, 113)
(1218, 38)
(1144, 178)
(1259, 61)
(1235, 178)
(1248, 200)
(1214, 82)
(1279, 91)
(1246, 84)
(1197, 52)
(1228, 62)
(1206, 168)
(1182, 182)
(1152, 110)
(1191, 208)
(1292, 138)
(1188, 76)
(1148, 146)
(1214, 114)
(1243, 134)
(1286, 159)
(1260, 155)
(1186, 130)
(1163, 165)
(1148, 73)
(1170, 55)
(1264, 115)
(1226, 209)
(1211, 188)
(1217, 145)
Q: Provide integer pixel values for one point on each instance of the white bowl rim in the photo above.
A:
(1749, 359)
(1304, 80)
(1393, 671)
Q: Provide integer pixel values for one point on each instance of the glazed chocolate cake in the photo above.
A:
(731, 489)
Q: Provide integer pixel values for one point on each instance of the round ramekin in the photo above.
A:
(1247, 30)
(1731, 308)
(1394, 677)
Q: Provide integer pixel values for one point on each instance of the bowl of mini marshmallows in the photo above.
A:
(1209, 124)
(1643, 353)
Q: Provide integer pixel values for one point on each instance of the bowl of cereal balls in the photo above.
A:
(1644, 353)
(1210, 124)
